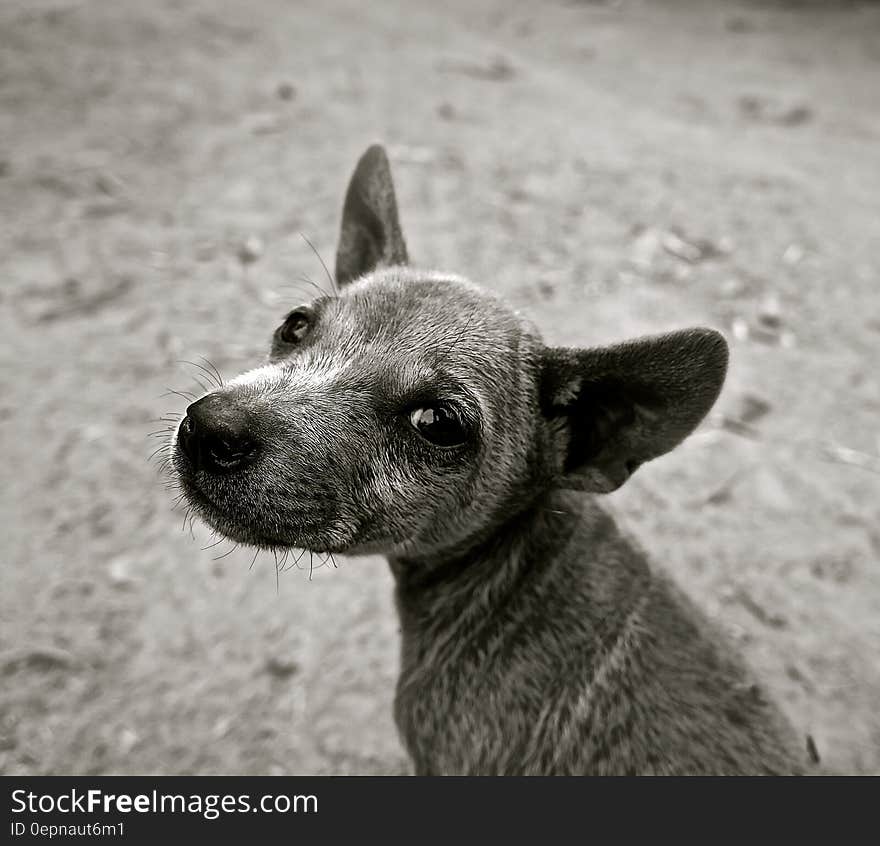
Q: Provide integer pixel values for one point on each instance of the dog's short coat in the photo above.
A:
(416, 415)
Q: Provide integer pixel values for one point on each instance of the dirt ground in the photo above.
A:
(613, 168)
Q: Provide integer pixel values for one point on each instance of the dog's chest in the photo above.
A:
(458, 717)
(481, 706)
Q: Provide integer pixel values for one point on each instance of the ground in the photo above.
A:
(612, 168)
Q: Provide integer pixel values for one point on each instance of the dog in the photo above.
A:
(415, 415)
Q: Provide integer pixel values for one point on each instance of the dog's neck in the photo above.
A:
(482, 576)
(561, 562)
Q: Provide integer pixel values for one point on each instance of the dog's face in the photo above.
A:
(412, 413)
(390, 418)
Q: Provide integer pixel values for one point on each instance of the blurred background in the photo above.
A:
(613, 168)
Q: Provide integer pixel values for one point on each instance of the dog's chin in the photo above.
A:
(248, 531)
(245, 535)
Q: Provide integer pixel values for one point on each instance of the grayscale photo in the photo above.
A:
(438, 388)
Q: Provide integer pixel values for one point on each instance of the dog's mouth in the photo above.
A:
(222, 504)
(234, 526)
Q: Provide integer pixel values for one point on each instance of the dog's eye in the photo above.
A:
(295, 327)
(438, 424)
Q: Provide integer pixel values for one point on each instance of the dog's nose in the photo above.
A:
(216, 435)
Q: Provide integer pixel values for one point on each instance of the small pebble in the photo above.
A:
(793, 254)
(812, 751)
(796, 116)
(740, 329)
(119, 571)
(286, 91)
(127, 740)
(280, 667)
(753, 408)
(250, 250)
(770, 313)
(678, 247)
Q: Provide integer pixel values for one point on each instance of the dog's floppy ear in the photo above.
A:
(619, 406)
(370, 235)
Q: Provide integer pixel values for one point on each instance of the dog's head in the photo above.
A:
(411, 412)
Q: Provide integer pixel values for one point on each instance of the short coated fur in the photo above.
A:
(415, 415)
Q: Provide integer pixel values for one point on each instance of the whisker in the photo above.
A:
(301, 293)
(333, 287)
(229, 552)
(183, 394)
(201, 384)
(303, 278)
(214, 379)
(216, 372)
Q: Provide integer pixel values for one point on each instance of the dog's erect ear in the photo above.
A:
(370, 235)
(619, 406)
